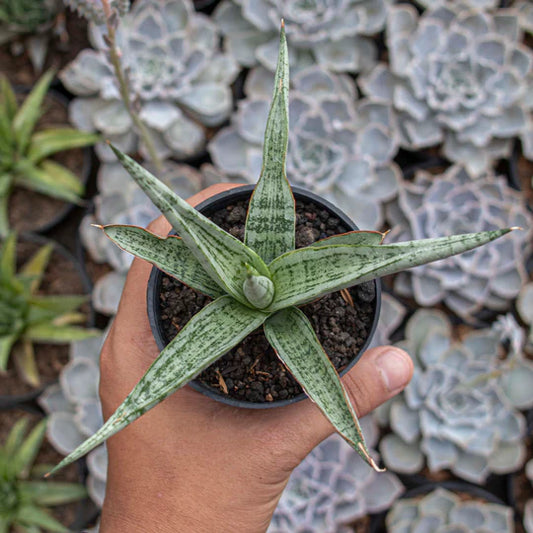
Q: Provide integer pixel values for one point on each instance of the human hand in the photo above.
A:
(194, 465)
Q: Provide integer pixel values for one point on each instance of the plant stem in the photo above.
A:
(124, 88)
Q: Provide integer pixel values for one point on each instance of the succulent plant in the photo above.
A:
(524, 306)
(340, 149)
(74, 410)
(332, 34)
(455, 413)
(390, 317)
(120, 201)
(448, 203)
(179, 81)
(332, 487)
(24, 497)
(93, 9)
(247, 293)
(474, 4)
(460, 77)
(443, 511)
(31, 20)
(27, 316)
(528, 511)
(24, 152)
(525, 11)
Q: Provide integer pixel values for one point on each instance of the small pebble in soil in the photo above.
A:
(251, 371)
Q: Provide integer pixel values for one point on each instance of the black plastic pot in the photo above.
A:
(377, 522)
(88, 161)
(27, 400)
(209, 207)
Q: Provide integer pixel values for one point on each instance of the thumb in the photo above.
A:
(379, 375)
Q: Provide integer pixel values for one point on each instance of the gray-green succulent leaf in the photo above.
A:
(248, 292)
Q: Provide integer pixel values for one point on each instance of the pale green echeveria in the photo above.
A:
(486, 278)
(459, 78)
(341, 148)
(121, 201)
(179, 80)
(333, 487)
(214, 262)
(93, 10)
(332, 34)
(391, 315)
(443, 511)
(524, 306)
(455, 414)
(525, 14)
(474, 4)
(74, 411)
(29, 22)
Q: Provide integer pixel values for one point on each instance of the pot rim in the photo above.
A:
(210, 205)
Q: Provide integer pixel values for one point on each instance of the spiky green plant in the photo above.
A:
(23, 497)
(27, 317)
(24, 152)
(259, 282)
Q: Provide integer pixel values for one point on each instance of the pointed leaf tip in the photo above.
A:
(369, 459)
(99, 226)
(282, 24)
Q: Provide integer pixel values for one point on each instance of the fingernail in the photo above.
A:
(395, 367)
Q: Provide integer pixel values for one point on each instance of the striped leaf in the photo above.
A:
(44, 308)
(57, 333)
(213, 331)
(355, 238)
(271, 217)
(308, 273)
(36, 265)
(291, 335)
(223, 256)
(46, 493)
(168, 254)
(50, 141)
(31, 515)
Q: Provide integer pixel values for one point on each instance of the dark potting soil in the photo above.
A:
(251, 371)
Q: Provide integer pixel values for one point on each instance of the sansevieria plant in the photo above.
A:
(261, 282)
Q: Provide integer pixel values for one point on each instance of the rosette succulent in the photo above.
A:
(486, 278)
(333, 34)
(24, 497)
(27, 316)
(25, 153)
(460, 77)
(31, 20)
(340, 148)
(456, 413)
(443, 511)
(74, 410)
(179, 81)
(332, 487)
(259, 282)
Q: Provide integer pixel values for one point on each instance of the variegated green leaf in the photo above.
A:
(209, 334)
(308, 273)
(8, 100)
(38, 179)
(291, 335)
(36, 265)
(168, 254)
(271, 216)
(65, 179)
(30, 111)
(34, 516)
(223, 256)
(51, 141)
(57, 334)
(6, 344)
(24, 358)
(7, 258)
(47, 493)
(15, 437)
(26, 453)
(43, 308)
(355, 238)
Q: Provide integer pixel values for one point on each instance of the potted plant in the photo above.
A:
(26, 156)
(259, 282)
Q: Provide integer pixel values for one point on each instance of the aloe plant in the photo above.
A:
(23, 496)
(25, 153)
(27, 317)
(260, 282)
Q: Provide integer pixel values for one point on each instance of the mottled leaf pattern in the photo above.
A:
(271, 216)
(213, 331)
(168, 254)
(308, 273)
(223, 256)
(355, 238)
(292, 336)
